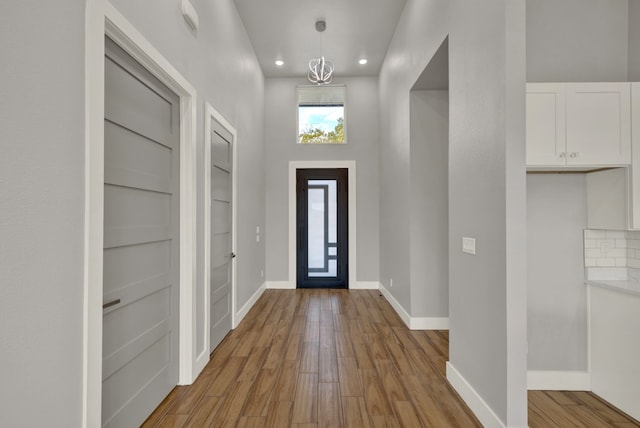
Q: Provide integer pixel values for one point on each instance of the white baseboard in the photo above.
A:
(414, 323)
(483, 412)
(558, 380)
(247, 306)
(200, 363)
(429, 323)
(280, 285)
(365, 285)
(404, 315)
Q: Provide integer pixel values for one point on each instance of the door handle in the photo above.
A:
(233, 255)
(111, 303)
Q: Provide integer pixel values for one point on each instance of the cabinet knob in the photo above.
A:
(563, 155)
(573, 155)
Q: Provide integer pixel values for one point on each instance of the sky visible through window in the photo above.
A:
(319, 117)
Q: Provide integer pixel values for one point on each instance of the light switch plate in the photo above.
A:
(468, 245)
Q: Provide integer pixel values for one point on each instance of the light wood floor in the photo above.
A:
(337, 358)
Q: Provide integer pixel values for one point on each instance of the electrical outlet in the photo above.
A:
(262, 273)
(390, 282)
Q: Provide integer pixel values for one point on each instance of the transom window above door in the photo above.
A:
(321, 114)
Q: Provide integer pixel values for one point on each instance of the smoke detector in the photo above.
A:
(321, 25)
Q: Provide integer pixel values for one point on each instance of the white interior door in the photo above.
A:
(221, 278)
(141, 241)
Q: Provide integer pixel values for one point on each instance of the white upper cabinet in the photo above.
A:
(578, 124)
(599, 123)
(635, 164)
(546, 124)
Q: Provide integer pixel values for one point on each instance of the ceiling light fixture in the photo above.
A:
(320, 70)
(362, 61)
(279, 62)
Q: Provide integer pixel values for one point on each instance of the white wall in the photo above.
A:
(42, 176)
(41, 212)
(556, 297)
(362, 146)
(634, 40)
(487, 300)
(577, 40)
(429, 238)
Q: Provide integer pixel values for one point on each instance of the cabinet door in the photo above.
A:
(634, 187)
(598, 124)
(546, 124)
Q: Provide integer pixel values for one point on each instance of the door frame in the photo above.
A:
(211, 113)
(101, 20)
(293, 216)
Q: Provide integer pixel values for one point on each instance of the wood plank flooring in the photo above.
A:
(574, 409)
(338, 358)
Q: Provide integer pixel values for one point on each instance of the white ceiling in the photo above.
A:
(285, 29)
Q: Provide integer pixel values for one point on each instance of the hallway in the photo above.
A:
(317, 358)
(314, 358)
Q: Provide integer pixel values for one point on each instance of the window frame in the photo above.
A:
(308, 88)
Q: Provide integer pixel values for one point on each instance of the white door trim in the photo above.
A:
(103, 19)
(351, 167)
(211, 113)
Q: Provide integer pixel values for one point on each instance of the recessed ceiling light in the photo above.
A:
(362, 61)
(279, 62)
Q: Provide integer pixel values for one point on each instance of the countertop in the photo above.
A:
(629, 286)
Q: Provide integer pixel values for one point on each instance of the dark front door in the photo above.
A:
(322, 225)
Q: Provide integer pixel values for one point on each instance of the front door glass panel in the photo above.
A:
(322, 228)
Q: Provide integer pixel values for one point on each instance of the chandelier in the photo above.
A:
(320, 70)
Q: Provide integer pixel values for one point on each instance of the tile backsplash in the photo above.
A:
(611, 248)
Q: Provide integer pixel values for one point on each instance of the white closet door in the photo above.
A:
(221, 232)
(141, 231)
